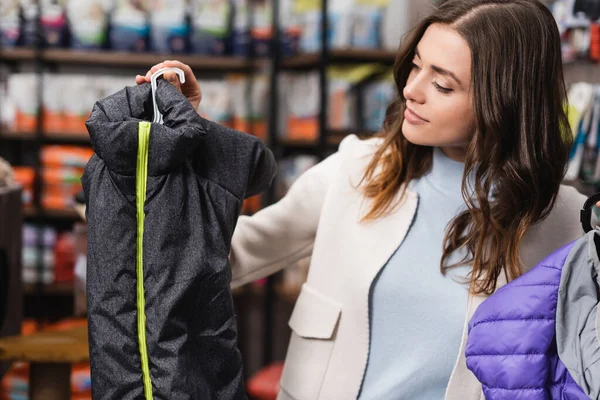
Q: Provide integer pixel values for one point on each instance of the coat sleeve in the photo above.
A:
(236, 161)
(284, 232)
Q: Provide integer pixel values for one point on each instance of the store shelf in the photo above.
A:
(17, 54)
(354, 56)
(199, 62)
(125, 59)
(59, 137)
(76, 138)
(66, 214)
(57, 288)
(16, 135)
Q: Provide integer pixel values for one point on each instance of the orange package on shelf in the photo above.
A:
(62, 176)
(81, 383)
(257, 128)
(303, 128)
(56, 203)
(15, 381)
(53, 121)
(25, 176)
(25, 122)
(66, 156)
(75, 124)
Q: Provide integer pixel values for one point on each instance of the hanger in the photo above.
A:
(586, 212)
(158, 118)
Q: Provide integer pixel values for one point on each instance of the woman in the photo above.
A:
(409, 232)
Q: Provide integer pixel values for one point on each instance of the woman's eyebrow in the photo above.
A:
(441, 70)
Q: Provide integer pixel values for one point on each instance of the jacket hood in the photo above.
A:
(114, 123)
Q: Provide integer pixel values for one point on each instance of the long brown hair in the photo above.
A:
(520, 146)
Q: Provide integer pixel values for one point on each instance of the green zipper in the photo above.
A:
(141, 178)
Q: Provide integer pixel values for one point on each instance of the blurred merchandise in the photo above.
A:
(211, 26)
(208, 27)
(130, 26)
(88, 22)
(21, 90)
(25, 176)
(300, 104)
(252, 204)
(80, 269)
(250, 119)
(289, 169)
(62, 168)
(15, 384)
(168, 26)
(578, 25)
(53, 21)
(64, 258)
(216, 102)
(10, 29)
(584, 120)
(38, 254)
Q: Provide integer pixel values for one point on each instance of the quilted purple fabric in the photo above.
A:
(512, 348)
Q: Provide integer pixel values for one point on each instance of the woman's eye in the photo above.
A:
(441, 88)
(415, 66)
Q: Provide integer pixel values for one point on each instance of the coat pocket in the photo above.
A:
(313, 322)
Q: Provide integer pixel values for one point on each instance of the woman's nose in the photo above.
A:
(414, 89)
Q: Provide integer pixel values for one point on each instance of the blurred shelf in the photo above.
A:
(145, 60)
(16, 135)
(17, 54)
(125, 59)
(57, 288)
(66, 214)
(80, 138)
(57, 137)
(311, 60)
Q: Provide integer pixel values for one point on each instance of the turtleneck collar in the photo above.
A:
(446, 174)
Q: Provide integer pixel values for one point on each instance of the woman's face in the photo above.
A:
(439, 108)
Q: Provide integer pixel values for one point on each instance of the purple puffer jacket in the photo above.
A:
(537, 337)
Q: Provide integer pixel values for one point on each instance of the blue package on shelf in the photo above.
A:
(240, 42)
(29, 27)
(129, 27)
(169, 39)
(10, 28)
(338, 33)
(169, 30)
(366, 28)
(128, 38)
(208, 43)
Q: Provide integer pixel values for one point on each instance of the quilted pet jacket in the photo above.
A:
(162, 203)
(538, 337)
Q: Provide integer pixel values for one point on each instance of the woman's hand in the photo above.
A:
(190, 89)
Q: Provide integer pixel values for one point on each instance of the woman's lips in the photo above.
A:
(413, 117)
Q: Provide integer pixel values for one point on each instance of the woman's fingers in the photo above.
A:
(190, 89)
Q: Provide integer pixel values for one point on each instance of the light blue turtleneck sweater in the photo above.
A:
(417, 314)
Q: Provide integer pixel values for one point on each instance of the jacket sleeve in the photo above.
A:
(284, 232)
(236, 161)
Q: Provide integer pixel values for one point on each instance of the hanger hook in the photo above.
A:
(586, 212)
(158, 118)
